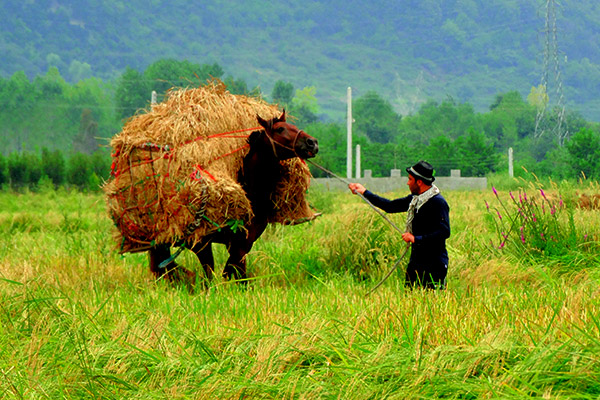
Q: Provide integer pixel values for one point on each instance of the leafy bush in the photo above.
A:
(53, 166)
(17, 170)
(3, 172)
(78, 170)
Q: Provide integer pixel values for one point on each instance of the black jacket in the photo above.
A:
(431, 226)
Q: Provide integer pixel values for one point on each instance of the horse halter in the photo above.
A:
(275, 143)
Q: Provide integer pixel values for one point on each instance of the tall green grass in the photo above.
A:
(79, 321)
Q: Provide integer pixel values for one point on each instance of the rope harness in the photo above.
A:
(199, 214)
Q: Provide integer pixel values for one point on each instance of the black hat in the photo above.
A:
(423, 171)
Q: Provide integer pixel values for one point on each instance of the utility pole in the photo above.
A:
(349, 129)
(358, 161)
(511, 172)
(153, 97)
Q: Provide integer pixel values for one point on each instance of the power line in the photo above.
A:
(551, 55)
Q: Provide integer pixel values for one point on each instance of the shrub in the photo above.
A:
(78, 171)
(53, 166)
(3, 172)
(17, 170)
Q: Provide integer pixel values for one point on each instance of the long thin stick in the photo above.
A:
(378, 212)
(390, 271)
(360, 195)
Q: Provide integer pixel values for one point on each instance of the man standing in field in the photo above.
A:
(427, 225)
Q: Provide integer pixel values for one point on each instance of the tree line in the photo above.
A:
(46, 119)
(51, 169)
(453, 136)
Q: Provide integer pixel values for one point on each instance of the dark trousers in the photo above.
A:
(427, 276)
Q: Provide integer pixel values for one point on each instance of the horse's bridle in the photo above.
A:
(275, 143)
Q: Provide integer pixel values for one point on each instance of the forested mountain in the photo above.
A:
(408, 51)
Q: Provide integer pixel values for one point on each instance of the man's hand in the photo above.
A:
(408, 237)
(357, 188)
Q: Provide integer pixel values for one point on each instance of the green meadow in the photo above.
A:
(520, 317)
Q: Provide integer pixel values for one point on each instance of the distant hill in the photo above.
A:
(408, 51)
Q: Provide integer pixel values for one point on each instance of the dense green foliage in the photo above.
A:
(49, 112)
(408, 51)
(54, 169)
(75, 121)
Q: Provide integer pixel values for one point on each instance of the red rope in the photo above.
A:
(223, 134)
(200, 169)
(230, 153)
(122, 219)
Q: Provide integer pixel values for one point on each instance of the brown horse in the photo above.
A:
(259, 175)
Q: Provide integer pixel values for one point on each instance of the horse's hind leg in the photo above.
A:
(205, 255)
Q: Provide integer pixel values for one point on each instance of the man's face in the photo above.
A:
(412, 185)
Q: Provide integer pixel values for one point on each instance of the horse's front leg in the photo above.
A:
(161, 265)
(158, 254)
(205, 256)
(239, 247)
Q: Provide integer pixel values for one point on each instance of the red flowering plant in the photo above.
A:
(535, 226)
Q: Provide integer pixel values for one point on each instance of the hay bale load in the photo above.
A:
(175, 170)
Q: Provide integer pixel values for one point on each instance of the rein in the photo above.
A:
(378, 212)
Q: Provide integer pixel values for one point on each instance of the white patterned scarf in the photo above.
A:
(417, 202)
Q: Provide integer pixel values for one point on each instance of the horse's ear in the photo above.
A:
(262, 122)
(282, 118)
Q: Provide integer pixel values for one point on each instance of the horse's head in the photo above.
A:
(286, 140)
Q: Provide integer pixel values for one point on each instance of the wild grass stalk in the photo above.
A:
(541, 226)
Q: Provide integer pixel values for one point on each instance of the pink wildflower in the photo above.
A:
(523, 239)
(511, 195)
(499, 216)
(501, 245)
(542, 192)
(487, 205)
(495, 192)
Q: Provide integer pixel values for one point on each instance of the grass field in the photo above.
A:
(79, 321)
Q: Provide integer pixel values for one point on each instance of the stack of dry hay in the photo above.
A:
(174, 173)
